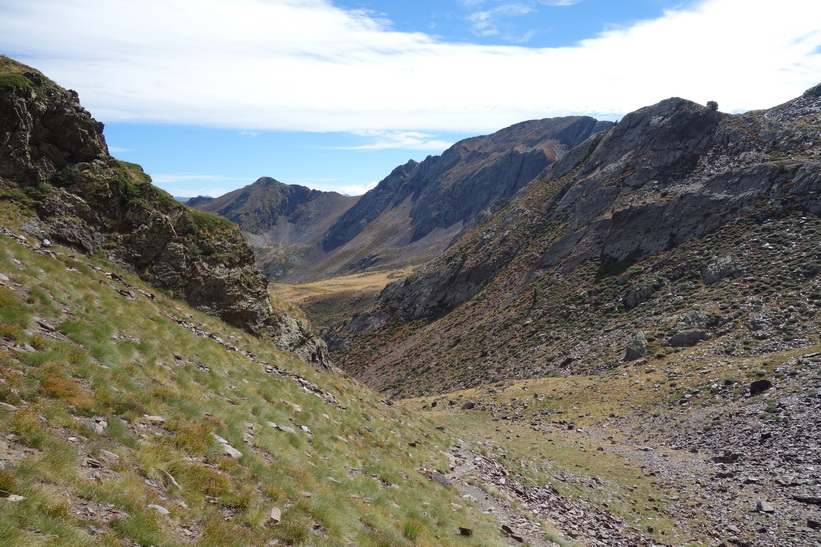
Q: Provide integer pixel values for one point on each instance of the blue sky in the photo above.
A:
(209, 95)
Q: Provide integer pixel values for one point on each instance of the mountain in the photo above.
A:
(680, 226)
(281, 221)
(54, 160)
(411, 216)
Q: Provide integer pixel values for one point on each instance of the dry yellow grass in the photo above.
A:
(369, 282)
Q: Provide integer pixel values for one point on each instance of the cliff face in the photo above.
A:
(53, 153)
(590, 246)
(420, 207)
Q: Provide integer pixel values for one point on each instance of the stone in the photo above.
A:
(4, 277)
(7, 407)
(686, 338)
(760, 386)
(158, 420)
(469, 405)
(636, 347)
(727, 457)
(276, 515)
(227, 448)
(764, 507)
(109, 456)
(13, 497)
(465, 531)
(295, 407)
(719, 269)
(160, 509)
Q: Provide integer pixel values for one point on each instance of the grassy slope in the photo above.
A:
(82, 367)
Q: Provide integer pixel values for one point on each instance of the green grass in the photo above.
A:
(115, 360)
(10, 82)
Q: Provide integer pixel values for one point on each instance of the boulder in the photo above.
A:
(760, 386)
(719, 269)
(686, 338)
(637, 347)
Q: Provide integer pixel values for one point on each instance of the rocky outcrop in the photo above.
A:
(44, 127)
(55, 153)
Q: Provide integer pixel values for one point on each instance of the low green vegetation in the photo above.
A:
(116, 421)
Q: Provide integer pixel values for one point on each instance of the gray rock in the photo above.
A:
(764, 507)
(760, 386)
(686, 338)
(160, 509)
(719, 269)
(639, 295)
(637, 347)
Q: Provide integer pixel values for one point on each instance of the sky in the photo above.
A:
(209, 95)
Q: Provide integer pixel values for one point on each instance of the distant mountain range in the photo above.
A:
(409, 217)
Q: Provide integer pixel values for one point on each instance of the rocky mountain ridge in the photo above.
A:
(412, 215)
(54, 160)
(635, 223)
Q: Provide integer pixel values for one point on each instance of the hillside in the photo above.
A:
(55, 165)
(411, 216)
(678, 225)
(128, 417)
(639, 326)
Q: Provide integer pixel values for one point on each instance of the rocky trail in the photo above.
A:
(519, 506)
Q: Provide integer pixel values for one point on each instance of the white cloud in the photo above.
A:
(306, 65)
(355, 189)
(189, 185)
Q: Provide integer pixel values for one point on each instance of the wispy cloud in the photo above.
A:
(189, 185)
(189, 177)
(404, 140)
(559, 2)
(308, 65)
(491, 22)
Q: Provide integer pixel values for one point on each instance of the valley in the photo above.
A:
(568, 332)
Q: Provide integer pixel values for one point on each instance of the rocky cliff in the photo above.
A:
(54, 160)
(656, 217)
